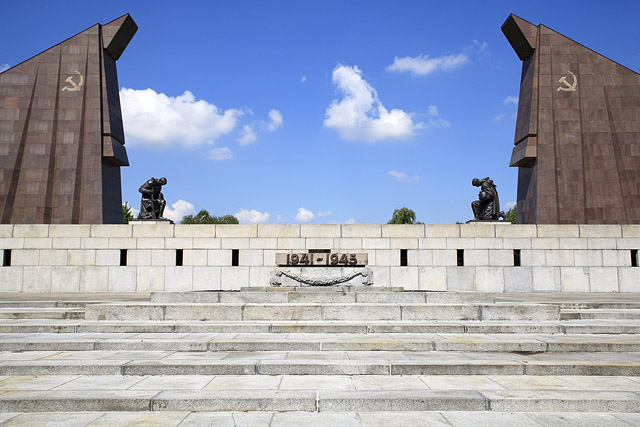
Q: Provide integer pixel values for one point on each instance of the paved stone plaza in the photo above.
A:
(450, 359)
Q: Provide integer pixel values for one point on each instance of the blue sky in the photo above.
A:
(320, 111)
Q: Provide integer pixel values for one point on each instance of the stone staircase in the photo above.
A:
(320, 356)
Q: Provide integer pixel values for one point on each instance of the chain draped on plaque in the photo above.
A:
(276, 278)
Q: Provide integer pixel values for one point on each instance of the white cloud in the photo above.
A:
(4, 67)
(501, 117)
(220, 153)
(280, 218)
(252, 216)
(247, 135)
(304, 215)
(435, 120)
(155, 120)
(508, 205)
(482, 47)
(303, 79)
(403, 177)
(423, 65)
(350, 221)
(325, 213)
(360, 115)
(276, 120)
(497, 118)
(511, 100)
(180, 209)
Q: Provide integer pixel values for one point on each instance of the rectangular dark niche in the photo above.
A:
(516, 258)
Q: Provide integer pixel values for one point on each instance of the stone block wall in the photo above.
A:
(142, 257)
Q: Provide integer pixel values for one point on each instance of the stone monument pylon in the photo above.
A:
(577, 139)
(61, 134)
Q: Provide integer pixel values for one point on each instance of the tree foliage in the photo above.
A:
(203, 217)
(403, 216)
(127, 215)
(511, 215)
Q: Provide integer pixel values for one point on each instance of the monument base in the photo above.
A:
(488, 221)
(152, 221)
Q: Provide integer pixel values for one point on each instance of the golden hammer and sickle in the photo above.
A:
(75, 87)
(570, 87)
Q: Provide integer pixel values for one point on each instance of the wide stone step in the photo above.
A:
(309, 363)
(615, 326)
(41, 313)
(599, 305)
(322, 295)
(321, 342)
(45, 304)
(327, 311)
(317, 289)
(609, 313)
(320, 401)
(396, 294)
(341, 419)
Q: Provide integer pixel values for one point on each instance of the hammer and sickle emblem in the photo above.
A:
(74, 87)
(570, 87)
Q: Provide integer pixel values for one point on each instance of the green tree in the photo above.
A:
(227, 219)
(127, 215)
(511, 215)
(403, 216)
(203, 217)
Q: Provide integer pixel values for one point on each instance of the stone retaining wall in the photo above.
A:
(88, 258)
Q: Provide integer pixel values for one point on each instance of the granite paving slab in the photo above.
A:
(171, 382)
(400, 400)
(99, 382)
(460, 382)
(41, 382)
(76, 401)
(492, 419)
(385, 382)
(561, 401)
(52, 419)
(233, 400)
(245, 383)
(315, 419)
(302, 419)
(155, 419)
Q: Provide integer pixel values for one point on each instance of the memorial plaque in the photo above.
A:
(322, 260)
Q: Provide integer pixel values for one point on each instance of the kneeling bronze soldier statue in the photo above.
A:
(487, 207)
(153, 203)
